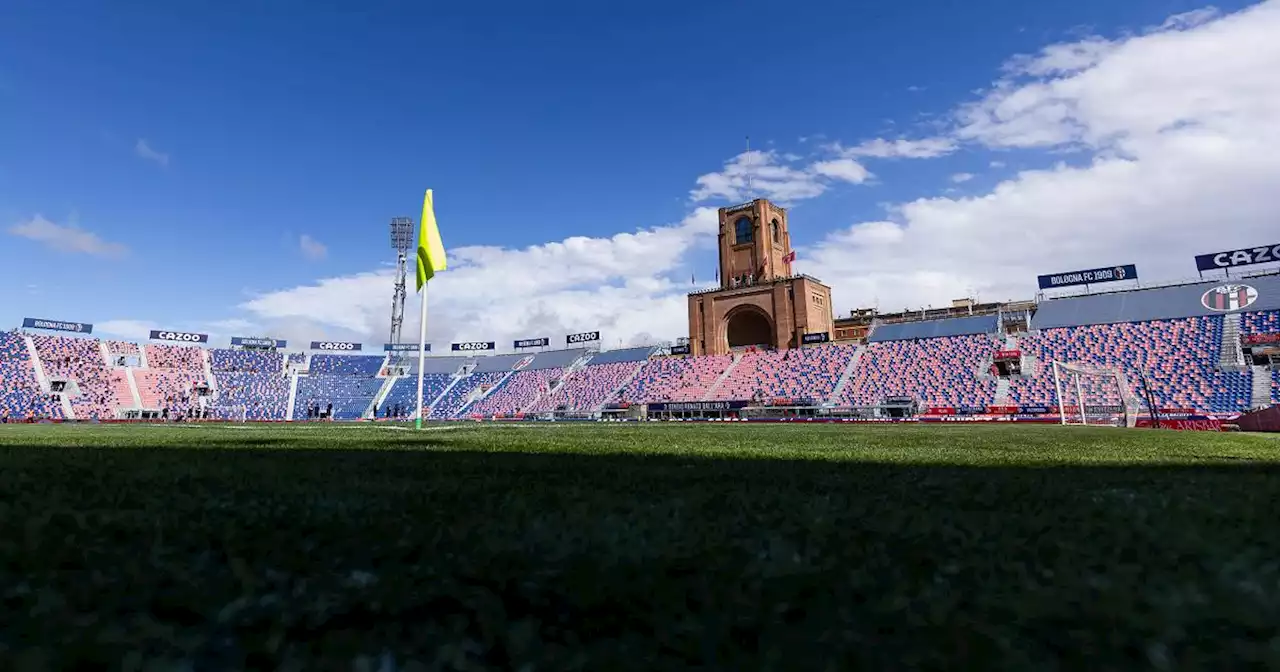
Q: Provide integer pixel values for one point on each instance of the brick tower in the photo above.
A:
(760, 301)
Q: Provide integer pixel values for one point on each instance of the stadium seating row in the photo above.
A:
(21, 396)
(517, 392)
(1178, 359)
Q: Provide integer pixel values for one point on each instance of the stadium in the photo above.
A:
(218, 453)
(1191, 355)
(781, 485)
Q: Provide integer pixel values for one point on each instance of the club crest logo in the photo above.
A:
(1226, 298)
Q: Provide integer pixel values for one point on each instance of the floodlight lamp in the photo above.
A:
(401, 234)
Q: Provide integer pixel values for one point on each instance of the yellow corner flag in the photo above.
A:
(430, 248)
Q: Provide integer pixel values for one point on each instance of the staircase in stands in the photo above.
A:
(1002, 392)
(293, 396)
(429, 404)
(34, 355)
(133, 387)
(570, 370)
(206, 360)
(711, 391)
(621, 386)
(1003, 383)
(1231, 357)
(1261, 396)
(847, 374)
(480, 393)
(381, 396)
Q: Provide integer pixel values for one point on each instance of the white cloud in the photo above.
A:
(757, 174)
(1181, 126)
(67, 238)
(959, 178)
(1190, 19)
(842, 169)
(902, 148)
(125, 328)
(312, 248)
(997, 164)
(143, 150)
(629, 286)
(1178, 138)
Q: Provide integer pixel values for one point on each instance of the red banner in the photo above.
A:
(1260, 339)
(941, 410)
(1200, 425)
(1008, 355)
(1003, 410)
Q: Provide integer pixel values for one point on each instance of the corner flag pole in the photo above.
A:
(430, 260)
(422, 354)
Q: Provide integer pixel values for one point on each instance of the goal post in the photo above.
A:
(1090, 395)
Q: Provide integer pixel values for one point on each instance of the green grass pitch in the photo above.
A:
(656, 546)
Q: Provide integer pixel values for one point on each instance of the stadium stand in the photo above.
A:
(438, 372)
(79, 360)
(588, 388)
(349, 382)
(1179, 357)
(183, 357)
(122, 348)
(806, 373)
(169, 389)
(264, 396)
(20, 395)
(246, 361)
(940, 371)
(1264, 322)
(456, 399)
(518, 392)
(591, 386)
(172, 371)
(346, 365)
(252, 379)
(1177, 336)
(674, 379)
(404, 393)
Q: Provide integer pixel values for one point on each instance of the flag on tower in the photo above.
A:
(790, 257)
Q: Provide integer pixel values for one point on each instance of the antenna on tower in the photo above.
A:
(401, 242)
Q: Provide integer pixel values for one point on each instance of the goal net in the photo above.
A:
(1090, 396)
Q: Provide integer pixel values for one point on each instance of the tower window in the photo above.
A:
(777, 237)
(742, 231)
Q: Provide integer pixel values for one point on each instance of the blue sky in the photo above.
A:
(199, 141)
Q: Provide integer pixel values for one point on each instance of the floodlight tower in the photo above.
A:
(401, 242)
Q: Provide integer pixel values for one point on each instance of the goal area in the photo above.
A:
(1091, 396)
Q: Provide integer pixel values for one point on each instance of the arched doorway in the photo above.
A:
(748, 325)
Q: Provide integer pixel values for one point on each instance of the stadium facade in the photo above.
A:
(763, 344)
